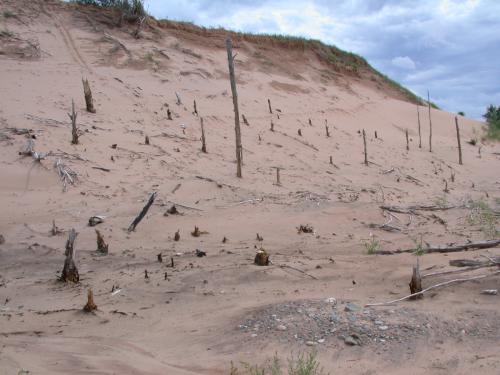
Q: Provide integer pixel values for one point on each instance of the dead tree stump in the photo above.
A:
(269, 104)
(299, 132)
(310, 122)
(169, 114)
(90, 305)
(278, 182)
(70, 271)
(407, 141)
(74, 129)
(237, 130)
(327, 130)
(331, 159)
(459, 142)
(416, 282)
(102, 247)
(261, 258)
(272, 126)
(376, 135)
(88, 96)
(177, 236)
(364, 145)
(146, 140)
(245, 121)
(195, 111)
(203, 141)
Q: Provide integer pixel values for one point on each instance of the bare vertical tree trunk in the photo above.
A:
(70, 271)
(74, 129)
(430, 121)
(278, 182)
(407, 141)
(269, 104)
(237, 130)
(364, 144)
(419, 133)
(203, 143)
(331, 159)
(459, 143)
(327, 130)
(416, 282)
(88, 96)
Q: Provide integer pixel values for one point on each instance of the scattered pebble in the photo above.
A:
(281, 327)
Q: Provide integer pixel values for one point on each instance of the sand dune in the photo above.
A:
(220, 308)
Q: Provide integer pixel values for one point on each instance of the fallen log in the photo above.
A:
(412, 209)
(143, 213)
(447, 249)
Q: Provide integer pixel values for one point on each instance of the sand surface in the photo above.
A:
(212, 310)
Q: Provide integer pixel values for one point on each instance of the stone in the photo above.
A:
(351, 307)
(352, 340)
(281, 327)
(310, 343)
(383, 328)
(490, 292)
(334, 317)
(378, 322)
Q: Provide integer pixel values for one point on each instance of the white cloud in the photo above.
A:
(403, 62)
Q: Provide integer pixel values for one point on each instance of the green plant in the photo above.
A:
(461, 113)
(483, 215)
(419, 247)
(8, 14)
(302, 364)
(373, 245)
(129, 7)
(441, 201)
(492, 117)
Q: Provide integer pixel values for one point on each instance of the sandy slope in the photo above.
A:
(189, 324)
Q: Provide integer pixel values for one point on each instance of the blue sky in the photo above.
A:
(451, 47)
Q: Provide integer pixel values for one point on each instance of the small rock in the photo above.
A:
(383, 328)
(281, 327)
(334, 317)
(352, 340)
(321, 341)
(490, 292)
(351, 307)
(378, 322)
(331, 300)
(253, 335)
(310, 343)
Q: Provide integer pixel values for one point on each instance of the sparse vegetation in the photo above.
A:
(492, 117)
(8, 14)
(485, 217)
(461, 113)
(372, 245)
(302, 364)
(128, 7)
(419, 247)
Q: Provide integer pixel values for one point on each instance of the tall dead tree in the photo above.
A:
(269, 104)
(407, 141)
(364, 145)
(419, 133)
(203, 142)
(143, 213)
(237, 130)
(327, 129)
(70, 271)
(88, 96)
(74, 129)
(459, 142)
(430, 121)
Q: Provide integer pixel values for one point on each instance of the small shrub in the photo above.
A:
(492, 117)
(303, 364)
(481, 214)
(8, 14)
(419, 247)
(373, 245)
(461, 113)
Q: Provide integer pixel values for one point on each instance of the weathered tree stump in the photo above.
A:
(169, 114)
(245, 121)
(90, 305)
(88, 96)
(419, 132)
(261, 258)
(203, 141)
(407, 141)
(459, 142)
(102, 247)
(272, 126)
(430, 121)
(416, 282)
(269, 104)
(177, 236)
(364, 145)
(74, 129)
(195, 110)
(70, 271)
(146, 140)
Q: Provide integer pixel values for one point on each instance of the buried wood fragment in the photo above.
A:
(88, 96)
(177, 236)
(416, 282)
(196, 232)
(305, 229)
(143, 213)
(66, 174)
(102, 247)
(70, 271)
(447, 248)
(90, 305)
(55, 230)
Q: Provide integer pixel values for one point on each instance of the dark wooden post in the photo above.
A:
(407, 141)
(327, 130)
(278, 182)
(430, 121)
(459, 143)
(195, 111)
(203, 143)
(74, 129)
(364, 144)
(269, 104)
(88, 96)
(237, 130)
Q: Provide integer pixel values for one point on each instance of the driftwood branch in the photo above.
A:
(448, 249)
(446, 283)
(143, 213)
(411, 209)
(66, 175)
